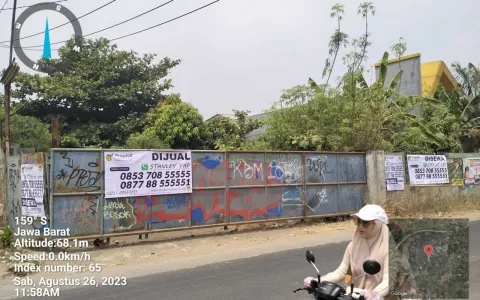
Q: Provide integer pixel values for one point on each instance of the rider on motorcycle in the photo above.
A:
(370, 241)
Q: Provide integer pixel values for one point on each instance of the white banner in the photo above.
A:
(145, 173)
(32, 190)
(427, 169)
(394, 173)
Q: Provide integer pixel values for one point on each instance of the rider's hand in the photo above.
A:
(307, 281)
(371, 295)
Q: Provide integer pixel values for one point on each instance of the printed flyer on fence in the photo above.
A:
(394, 173)
(471, 171)
(144, 173)
(32, 190)
(427, 169)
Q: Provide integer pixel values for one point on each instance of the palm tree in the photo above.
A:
(468, 78)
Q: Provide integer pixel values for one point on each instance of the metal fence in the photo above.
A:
(228, 187)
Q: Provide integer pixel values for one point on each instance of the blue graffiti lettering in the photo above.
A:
(175, 202)
(210, 163)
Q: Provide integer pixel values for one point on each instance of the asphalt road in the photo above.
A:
(266, 277)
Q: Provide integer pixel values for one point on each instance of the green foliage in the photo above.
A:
(6, 236)
(145, 140)
(178, 124)
(99, 93)
(27, 132)
(229, 134)
(306, 119)
(468, 78)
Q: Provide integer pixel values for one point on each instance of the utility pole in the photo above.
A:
(7, 78)
(14, 11)
(8, 87)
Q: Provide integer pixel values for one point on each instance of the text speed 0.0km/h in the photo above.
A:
(144, 173)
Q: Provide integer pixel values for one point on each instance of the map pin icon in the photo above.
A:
(428, 250)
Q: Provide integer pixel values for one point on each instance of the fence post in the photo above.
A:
(227, 185)
(304, 186)
(265, 176)
(3, 190)
(376, 189)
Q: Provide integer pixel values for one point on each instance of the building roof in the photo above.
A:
(432, 73)
(220, 115)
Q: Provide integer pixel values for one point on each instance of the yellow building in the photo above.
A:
(431, 74)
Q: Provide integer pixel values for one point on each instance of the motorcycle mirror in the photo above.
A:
(371, 267)
(310, 256)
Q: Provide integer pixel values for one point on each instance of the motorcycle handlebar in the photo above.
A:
(353, 296)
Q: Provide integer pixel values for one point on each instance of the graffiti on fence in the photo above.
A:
(246, 169)
(79, 213)
(119, 214)
(322, 200)
(208, 169)
(208, 207)
(284, 202)
(14, 187)
(351, 197)
(77, 172)
(351, 167)
(210, 202)
(248, 204)
(329, 199)
(14, 190)
(284, 168)
(321, 168)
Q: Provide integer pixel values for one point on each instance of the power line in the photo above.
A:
(92, 33)
(154, 26)
(3, 6)
(11, 8)
(151, 27)
(53, 28)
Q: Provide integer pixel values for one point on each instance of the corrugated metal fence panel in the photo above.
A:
(74, 173)
(227, 187)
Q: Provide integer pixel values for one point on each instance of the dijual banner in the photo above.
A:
(145, 173)
(427, 169)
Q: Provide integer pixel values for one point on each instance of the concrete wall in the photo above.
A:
(415, 195)
(411, 82)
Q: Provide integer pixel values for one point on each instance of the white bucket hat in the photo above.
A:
(372, 212)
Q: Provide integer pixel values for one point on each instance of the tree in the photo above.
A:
(96, 92)
(365, 9)
(228, 134)
(27, 132)
(463, 114)
(468, 78)
(177, 124)
(338, 39)
(146, 140)
(306, 119)
(399, 50)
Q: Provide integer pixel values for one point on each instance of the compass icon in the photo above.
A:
(47, 53)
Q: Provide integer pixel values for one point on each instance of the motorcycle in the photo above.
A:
(326, 290)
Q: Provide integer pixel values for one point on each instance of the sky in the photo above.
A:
(241, 54)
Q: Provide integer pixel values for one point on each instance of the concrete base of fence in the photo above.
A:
(376, 189)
